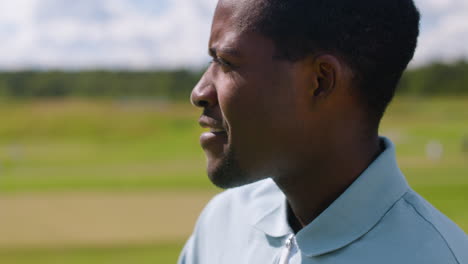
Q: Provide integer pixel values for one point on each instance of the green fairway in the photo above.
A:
(100, 145)
(123, 146)
(113, 255)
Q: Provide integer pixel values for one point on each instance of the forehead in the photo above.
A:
(240, 13)
(231, 20)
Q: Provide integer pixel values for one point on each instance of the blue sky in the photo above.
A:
(141, 34)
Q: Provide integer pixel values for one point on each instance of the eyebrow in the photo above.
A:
(229, 51)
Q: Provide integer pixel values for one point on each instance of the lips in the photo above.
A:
(214, 125)
(214, 140)
(217, 130)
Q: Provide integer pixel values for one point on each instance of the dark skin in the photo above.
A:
(299, 123)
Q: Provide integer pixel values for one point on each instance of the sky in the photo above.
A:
(169, 34)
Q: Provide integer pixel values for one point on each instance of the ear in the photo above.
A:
(326, 72)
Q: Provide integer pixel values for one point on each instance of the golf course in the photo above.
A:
(123, 180)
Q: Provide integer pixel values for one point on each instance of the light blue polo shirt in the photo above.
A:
(379, 219)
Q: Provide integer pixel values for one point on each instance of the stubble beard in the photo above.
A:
(229, 173)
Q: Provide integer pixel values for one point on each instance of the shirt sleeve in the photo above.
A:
(188, 253)
(194, 251)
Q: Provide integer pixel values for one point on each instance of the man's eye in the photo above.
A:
(222, 62)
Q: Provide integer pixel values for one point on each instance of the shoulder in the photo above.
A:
(248, 199)
(264, 189)
(435, 224)
(234, 210)
(226, 221)
(419, 233)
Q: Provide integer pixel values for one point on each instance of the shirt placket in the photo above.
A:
(289, 250)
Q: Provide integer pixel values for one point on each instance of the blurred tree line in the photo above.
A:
(170, 85)
(434, 79)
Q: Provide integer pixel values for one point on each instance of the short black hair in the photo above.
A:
(376, 38)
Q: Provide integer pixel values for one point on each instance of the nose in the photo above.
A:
(204, 93)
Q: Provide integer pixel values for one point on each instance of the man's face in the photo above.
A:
(250, 103)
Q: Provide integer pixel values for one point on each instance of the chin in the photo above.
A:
(227, 173)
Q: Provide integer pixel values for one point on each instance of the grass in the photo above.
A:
(146, 254)
(126, 145)
(99, 145)
(61, 146)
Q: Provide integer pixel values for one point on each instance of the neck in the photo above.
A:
(313, 187)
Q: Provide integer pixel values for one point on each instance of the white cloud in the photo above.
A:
(105, 33)
(444, 31)
(163, 33)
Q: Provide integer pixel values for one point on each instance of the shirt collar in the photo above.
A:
(269, 210)
(350, 216)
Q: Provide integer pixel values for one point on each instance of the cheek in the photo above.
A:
(243, 112)
(256, 111)
(237, 99)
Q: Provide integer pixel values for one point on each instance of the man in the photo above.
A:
(293, 101)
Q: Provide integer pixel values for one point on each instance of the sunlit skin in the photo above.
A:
(299, 123)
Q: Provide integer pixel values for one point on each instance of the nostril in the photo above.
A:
(204, 94)
(202, 103)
